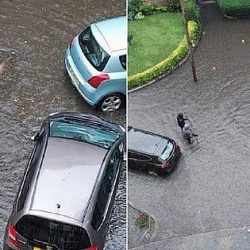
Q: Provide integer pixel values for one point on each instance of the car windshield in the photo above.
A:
(85, 133)
(42, 232)
(167, 151)
(95, 54)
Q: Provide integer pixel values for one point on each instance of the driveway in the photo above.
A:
(209, 191)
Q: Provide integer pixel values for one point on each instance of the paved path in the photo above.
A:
(234, 239)
(209, 191)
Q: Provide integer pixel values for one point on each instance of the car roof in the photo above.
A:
(146, 142)
(113, 31)
(67, 177)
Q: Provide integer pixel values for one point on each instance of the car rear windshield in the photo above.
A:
(89, 134)
(41, 232)
(95, 54)
(167, 151)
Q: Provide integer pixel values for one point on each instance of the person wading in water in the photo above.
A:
(181, 120)
(186, 129)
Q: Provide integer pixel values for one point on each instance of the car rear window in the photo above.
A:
(95, 54)
(123, 61)
(167, 151)
(41, 232)
(93, 135)
(146, 142)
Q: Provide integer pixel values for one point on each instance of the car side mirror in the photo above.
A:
(35, 137)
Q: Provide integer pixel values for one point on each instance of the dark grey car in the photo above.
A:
(66, 196)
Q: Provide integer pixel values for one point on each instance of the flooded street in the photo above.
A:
(209, 190)
(33, 84)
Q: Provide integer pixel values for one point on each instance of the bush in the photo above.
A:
(147, 8)
(174, 5)
(235, 8)
(142, 221)
(133, 8)
(150, 9)
(166, 65)
(139, 6)
(139, 16)
(192, 11)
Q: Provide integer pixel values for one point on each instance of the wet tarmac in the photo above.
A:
(209, 190)
(33, 84)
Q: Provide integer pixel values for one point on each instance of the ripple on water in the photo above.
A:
(117, 229)
(33, 85)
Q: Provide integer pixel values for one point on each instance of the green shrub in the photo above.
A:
(137, 6)
(139, 16)
(191, 8)
(168, 64)
(235, 8)
(147, 8)
(134, 8)
(140, 6)
(142, 221)
(192, 11)
(174, 5)
(150, 9)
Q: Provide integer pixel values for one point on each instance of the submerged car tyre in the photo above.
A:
(111, 102)
(162, 173)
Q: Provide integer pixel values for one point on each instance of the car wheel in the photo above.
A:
(160, 173)
(111, 102)
(164, 173)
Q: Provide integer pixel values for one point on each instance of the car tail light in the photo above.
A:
(93, 248)
(95, 81)
(165, 165)
(12, 235)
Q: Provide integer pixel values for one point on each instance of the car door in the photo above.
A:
(139, 161)
(133, 160)
(30, 171)
(106, 194)
(116, 69)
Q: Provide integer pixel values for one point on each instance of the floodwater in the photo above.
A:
(209, 190)
(33, 36)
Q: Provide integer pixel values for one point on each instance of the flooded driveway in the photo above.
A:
(33, 84)
(209, 191)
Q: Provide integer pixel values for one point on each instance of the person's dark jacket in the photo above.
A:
(181, 121)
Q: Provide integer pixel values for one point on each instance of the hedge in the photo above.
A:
(145, 8)
(192, 11)
(168, 64)
(235, 8)
(141, 8)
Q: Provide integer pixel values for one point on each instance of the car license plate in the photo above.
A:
(74, 76)
(37, 248)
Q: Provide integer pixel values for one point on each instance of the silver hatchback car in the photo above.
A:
(66, 196)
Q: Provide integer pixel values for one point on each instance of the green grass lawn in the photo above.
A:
(235, 7)
(154, 38)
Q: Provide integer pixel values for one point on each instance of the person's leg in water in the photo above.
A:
(189, 139)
